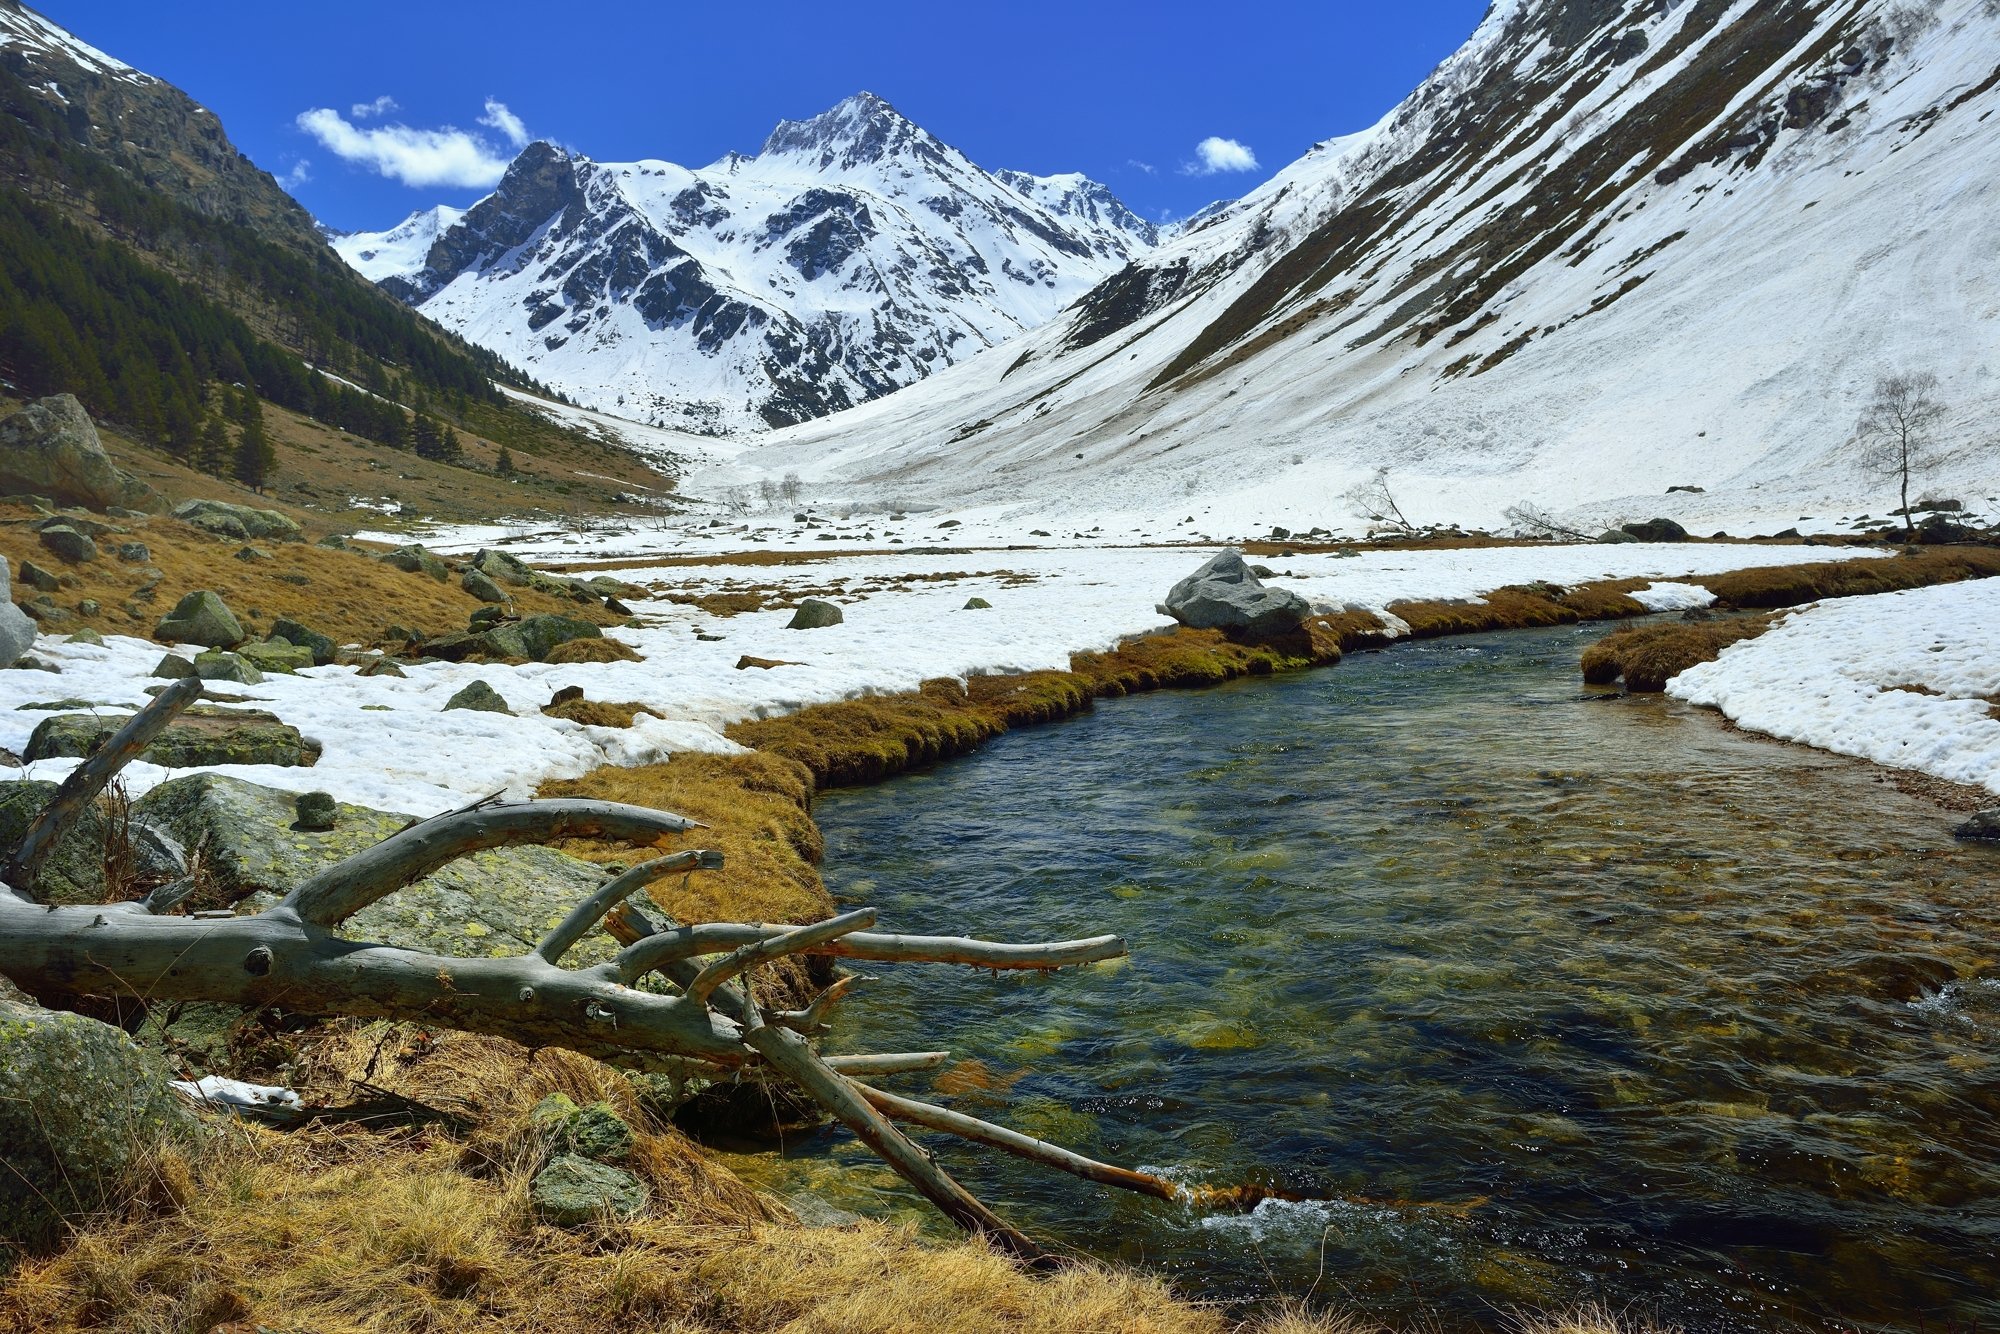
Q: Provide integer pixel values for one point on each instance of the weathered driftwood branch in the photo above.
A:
(290, 955)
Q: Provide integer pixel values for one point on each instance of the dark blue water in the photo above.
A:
(1560, 999)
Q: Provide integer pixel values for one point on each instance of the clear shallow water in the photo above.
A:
(1564, 999)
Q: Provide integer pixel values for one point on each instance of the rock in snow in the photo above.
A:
(1225, 595)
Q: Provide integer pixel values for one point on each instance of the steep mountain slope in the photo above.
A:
(144, 262)
(1606, 249)
(853, 254)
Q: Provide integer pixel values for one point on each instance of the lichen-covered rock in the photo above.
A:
(203, 735)
(275, 655)
(81, 1107)
(413, 559)
(240, 522)
(202, 618)
(482, 587)
(69, 544)
(480, 696)
(573, 1192)
(17, 628)
(503, 567)
(39, 579)
(221, 665)
(492, 903)
(815, 614)
(74, 872)
(1224, 595)
(596, 1131)
(50, 448)
(134, 553)
(172, 667)
(977, 604)
(293, 632)
(541, 633)
(317, 811)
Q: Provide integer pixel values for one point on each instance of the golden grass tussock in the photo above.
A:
(1791, 585)
(1522, 607)
(600, 713)
(604, 649)
(756, 809)
(1648, 656)
(348, 595)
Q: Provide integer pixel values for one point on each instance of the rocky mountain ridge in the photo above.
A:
(853, 254)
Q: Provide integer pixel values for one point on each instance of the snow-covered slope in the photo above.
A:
(1606, 249)
(854, 254)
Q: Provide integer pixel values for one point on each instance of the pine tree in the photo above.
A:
(212, 450)
(504, 464)
(256, 458)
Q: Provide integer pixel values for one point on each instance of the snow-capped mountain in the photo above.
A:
(1604, 250)
(854, 254)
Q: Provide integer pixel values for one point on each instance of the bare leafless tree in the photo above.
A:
(1898, 433)
(790, 487)
(1374, 501)
(1531, 520)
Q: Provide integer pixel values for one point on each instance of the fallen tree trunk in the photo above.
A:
(292, 956)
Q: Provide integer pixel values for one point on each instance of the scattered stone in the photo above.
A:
(481, 697)
(74, 872)
(1690, 490)
(69, 544)
(17, 629)
(765, 663)
(173, 667)
(248, 554)
(574, 1192)
(976, 604)
(1983, 826)
(81, 1108)
(241, 522)
(203, 735)
(200, 618)
(616, 608)
(1263, 572)
(815, 614)
(221, 665)
(84, 634)
(321, 646)
(1657, 530)
(401, 634)
(332, 541)
(1614, 536)
(34, 576)
(46, 613)
(949, 523)
(276, 655)
(381, 666)
(88, 607)
(596, 1131)
(51, 448)
(564, 696)
(506, 568)
(1224, 595)
(317, 811)
(540, 634)
(482, 587)
(413, 559)
(485, 618)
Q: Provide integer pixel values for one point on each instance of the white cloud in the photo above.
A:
(1218, 155)
(300, 173)
(381, 106)
(498, 117)
(1146, 167)
(417, 158)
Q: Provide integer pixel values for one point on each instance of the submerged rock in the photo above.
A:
(1225, 595)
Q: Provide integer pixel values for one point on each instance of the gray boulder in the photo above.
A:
(413, 559)
(573, 1192)
(1225, 595)
(81, 1108)
(134, 553)
(480, 696)
(508, 569)
(74, 872)
(1615, 536)
(255, 846)
(240, 522)
(172, 667)
(317, 812)
(293, 632)
(39, 579)
(205, 734)
(69, 544)
(1657, 530)
(539, 634)
(815, 614)
(976, 604)
(1982, 827)
(51, 448)
(275, 655)
(200, 618)
(17, 630)
(482, 587)
(222, 665)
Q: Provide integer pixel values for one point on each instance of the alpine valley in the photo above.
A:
(853, 254)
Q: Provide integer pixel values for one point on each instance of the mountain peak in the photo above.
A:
(857, 130)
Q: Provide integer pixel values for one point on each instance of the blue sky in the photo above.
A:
(1126, 92)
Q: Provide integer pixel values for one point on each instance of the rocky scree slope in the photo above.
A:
(1607, 248)
(855, 253)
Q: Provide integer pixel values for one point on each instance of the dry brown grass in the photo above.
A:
(1522, 608)
(345, 594)
(1791, 585)
(600, 713)
(756, 810)
(1648, 656)
(604, 649)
